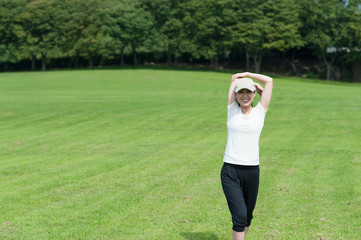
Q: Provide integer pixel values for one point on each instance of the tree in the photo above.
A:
(11, 31)
(134, 25)
(264, 26)
(41, 22)
(167, 33)
(325, 29)
(211, 20)
(85, 30)
(114, 29)
(350, 61)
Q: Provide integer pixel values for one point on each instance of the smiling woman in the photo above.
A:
(240, 172)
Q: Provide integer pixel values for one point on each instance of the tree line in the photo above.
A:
(172, 30)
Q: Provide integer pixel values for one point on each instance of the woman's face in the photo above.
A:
(245, 97)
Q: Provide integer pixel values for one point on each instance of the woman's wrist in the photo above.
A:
(260, 77)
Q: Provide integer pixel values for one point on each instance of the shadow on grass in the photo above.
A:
(199, 236)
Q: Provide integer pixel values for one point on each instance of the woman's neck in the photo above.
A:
(246, 110)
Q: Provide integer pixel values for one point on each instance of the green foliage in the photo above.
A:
(41, 21)
(135, 24)
(209, 29)
(170, 32)
(211, 35)
(330, 24)
(86, 29)
(11, 31)
(269, 25)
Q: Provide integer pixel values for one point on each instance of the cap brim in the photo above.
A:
(244, 87)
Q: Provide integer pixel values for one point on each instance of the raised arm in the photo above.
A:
(231, 93)
(266, 92)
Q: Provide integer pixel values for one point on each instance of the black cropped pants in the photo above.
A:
(240, 186)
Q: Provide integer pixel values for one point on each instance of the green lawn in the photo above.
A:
(136, 154)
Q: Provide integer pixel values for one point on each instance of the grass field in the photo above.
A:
(137, 153)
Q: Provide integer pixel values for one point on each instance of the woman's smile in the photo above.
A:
(245, 97)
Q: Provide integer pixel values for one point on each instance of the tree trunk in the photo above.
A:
(43, 60)
(215, 63)
(135, 58)
(169, 59)
(76, 61)
(257, 68)
(33, 62)
(284, 60)
(122, 57)
(293, 62)
(329, 71)
(257, 58)
(90, 62)
(247, 61)
(328, 65)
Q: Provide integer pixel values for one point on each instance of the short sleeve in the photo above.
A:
(232, 110)
(233, 106)
(261, 109)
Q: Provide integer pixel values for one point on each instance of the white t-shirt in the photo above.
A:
(244, 132)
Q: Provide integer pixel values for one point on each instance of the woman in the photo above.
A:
(240, 171)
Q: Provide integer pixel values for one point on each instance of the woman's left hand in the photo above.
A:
(259, 88)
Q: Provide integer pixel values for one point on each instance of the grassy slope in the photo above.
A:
(136, 154)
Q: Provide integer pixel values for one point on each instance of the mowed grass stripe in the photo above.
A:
(123, 154)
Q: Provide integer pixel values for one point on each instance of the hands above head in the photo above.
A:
(239, 75)
(259, 89)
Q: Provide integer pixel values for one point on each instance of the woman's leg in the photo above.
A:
(246, 231)
(250, 193)
(236, 203)
(238, 235)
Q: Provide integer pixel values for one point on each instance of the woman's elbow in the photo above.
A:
(269, 80)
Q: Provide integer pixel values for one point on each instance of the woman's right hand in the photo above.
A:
(234, 77)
